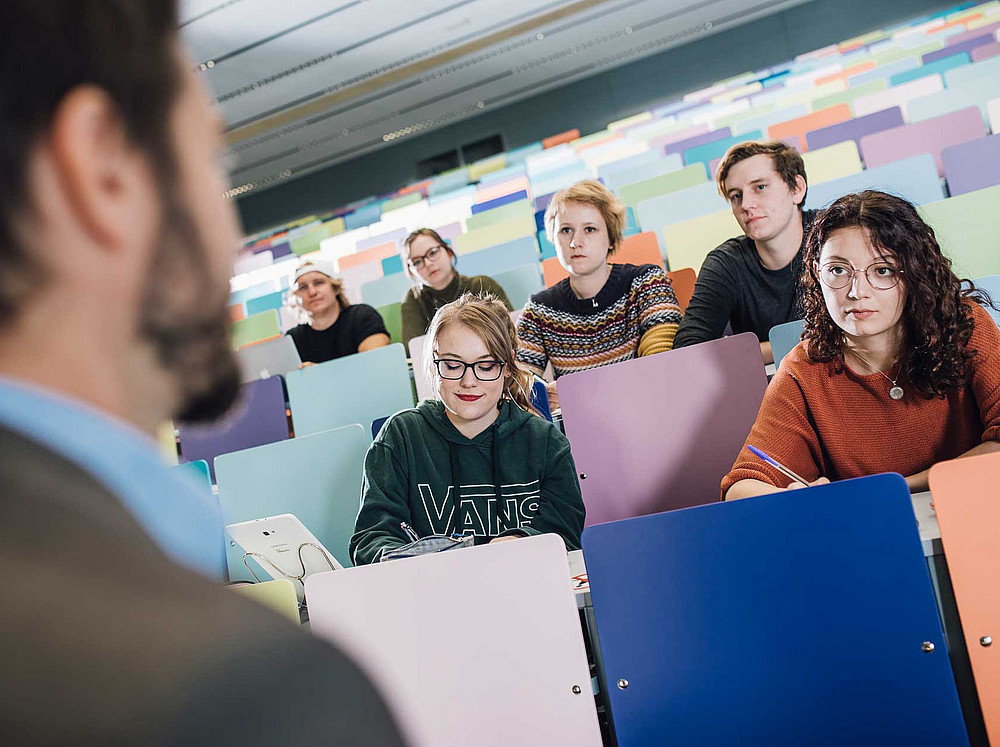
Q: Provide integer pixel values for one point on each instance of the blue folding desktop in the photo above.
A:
(799, 618)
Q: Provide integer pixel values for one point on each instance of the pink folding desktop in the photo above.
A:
(658, 433)
(478, 646)
(929, 136)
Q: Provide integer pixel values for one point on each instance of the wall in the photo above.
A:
(591, 103)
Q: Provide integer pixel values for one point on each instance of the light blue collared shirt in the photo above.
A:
(182, 517)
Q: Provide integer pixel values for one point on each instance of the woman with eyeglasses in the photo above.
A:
(899, 365)
(430, 264)
(437, 469)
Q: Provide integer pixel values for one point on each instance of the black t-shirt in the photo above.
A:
(734, 288)
(355, 323)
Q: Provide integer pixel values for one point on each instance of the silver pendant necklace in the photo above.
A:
(895, 390)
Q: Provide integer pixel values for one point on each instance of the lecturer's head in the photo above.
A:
(112, 222)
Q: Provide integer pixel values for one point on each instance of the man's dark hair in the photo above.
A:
(787, 162)
(48, 48)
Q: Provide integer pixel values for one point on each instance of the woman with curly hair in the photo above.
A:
(899, 365)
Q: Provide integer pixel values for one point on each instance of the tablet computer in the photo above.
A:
(283, 547)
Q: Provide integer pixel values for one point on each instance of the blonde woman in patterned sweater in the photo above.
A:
(602, 313)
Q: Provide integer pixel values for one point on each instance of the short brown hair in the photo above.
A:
(590, 192)
(787, 162)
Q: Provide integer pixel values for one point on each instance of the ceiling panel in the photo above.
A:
(305, 84)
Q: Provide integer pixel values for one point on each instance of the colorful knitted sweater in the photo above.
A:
(634, 314)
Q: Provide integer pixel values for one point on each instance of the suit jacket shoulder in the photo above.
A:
(109, 642)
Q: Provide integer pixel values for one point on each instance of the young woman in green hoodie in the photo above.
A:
(437, 468)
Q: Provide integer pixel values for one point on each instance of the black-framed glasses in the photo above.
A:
(449, 368)
(429, 256)
(880, 275)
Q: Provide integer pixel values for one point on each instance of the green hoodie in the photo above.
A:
(418, 458)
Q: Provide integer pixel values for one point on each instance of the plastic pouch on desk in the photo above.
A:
(427, 545)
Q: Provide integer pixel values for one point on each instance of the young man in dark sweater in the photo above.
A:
(749, 283)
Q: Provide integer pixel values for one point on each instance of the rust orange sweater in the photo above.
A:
(820, 423)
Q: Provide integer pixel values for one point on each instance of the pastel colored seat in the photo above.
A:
(262, 303)
(520, 283)
(354, 389)
(717, 148)
(236, 312)
(413, 624)
(960, 76)
(633, 194)
(965, 494)
(500, 258)
(985, 52)
(915, 179)
(854, 129)
(683, 282)
(763, 121)
(263, 326)
(392, 265)
(636, 447)
(970, 166)
(395, 236)
(801, 125)
(640, 249)
(258, 418)
(897, 96)
(385, 290)
(372, 254)
(973, 93)
(561, 178)
(968, 229)
(847, 97)
(495, 202)
(637, 172)
(928, 136)
(398, 203)
(954, 47)
(317, 478)
(392, 315)
(200, 470)
(936, 67)
(510, 211)
(498, 233)
(730, 623)
(832, 162)
(486, 193)
(784, 337)
(688, 242)
(610, 172)
(993, 110)
(277, 595)
(563, 137)
(255, 291)
(363, 216)
(272, 358)
(679, 146)
(486, 166)
(680, 205)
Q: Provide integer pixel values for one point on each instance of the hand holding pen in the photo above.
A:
(797, 481)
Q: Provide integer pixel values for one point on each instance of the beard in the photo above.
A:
(185, 318)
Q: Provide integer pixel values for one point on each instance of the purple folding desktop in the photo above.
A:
(658, 433)
(985, 51)
(660, 141)
(965, 45)
(929, 136)
(855, 129)
(679, 146)
(280, 250)
(972, 165)
(258, 418)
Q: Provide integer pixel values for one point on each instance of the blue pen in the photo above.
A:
(777, 465)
